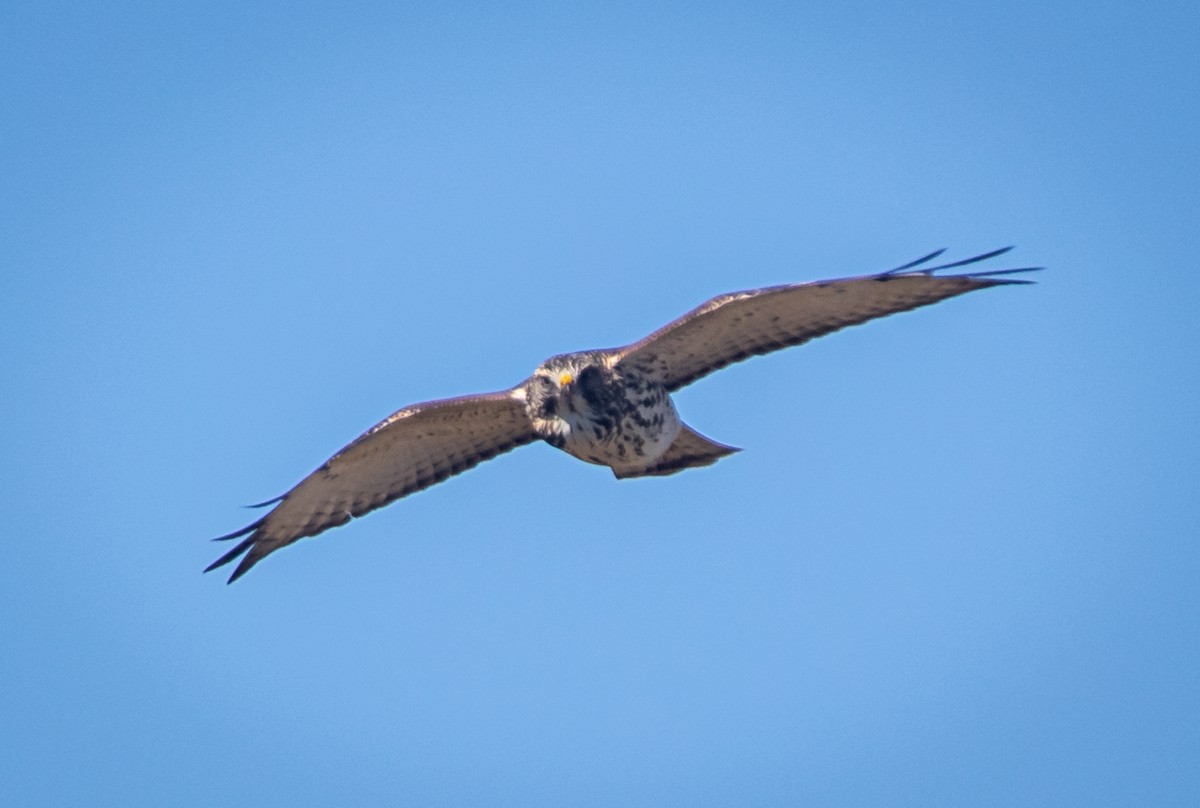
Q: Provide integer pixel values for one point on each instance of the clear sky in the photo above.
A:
(956, 563)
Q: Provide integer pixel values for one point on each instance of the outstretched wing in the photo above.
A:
(733, 327)
(411, 449)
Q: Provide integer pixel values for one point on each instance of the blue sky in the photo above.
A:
(956, 563)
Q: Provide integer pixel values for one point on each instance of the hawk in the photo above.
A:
(609, 407)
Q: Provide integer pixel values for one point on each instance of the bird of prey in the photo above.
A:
(609, 407)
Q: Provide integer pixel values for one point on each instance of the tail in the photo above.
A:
(690, 449)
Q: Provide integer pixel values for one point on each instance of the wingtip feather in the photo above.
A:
(915, 268)
(1014, 271)
(265, 503)
(917, 262)
(243, 567)
(972, 260)
(237, 534)
(241, 547)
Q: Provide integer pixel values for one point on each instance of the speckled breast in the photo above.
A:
(626, 424)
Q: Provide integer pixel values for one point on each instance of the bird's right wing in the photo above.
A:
(733, 327)
(411, 449)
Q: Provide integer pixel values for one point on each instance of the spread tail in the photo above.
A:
(690, 449)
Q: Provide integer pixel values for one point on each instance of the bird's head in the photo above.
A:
(565, 384)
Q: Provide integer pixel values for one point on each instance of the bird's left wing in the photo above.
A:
(733, 327)
(411, 449)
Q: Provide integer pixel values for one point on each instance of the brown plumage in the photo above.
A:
(610, 407)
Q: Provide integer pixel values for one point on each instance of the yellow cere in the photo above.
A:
(565, 379)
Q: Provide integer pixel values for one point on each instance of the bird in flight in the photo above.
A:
(609, 407)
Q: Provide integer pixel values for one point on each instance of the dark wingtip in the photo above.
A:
(916, 263)
(972, 260)
(279, 498)
(237, 534)
(243, 567)
(913, 268)
(997, 277)
(1013, 271)
(241, 547)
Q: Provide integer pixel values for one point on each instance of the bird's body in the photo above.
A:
(608, 407)
(610, 416)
